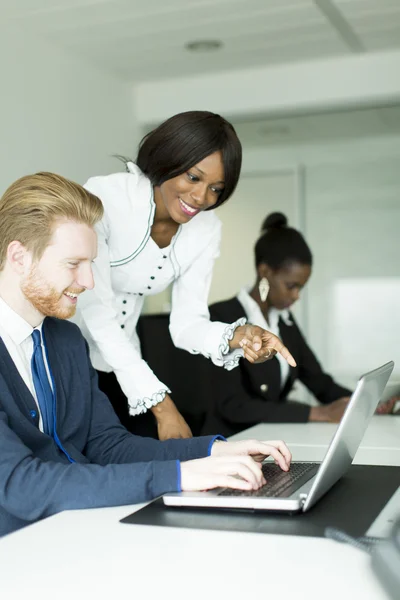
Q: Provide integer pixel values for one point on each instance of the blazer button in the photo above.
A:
(264, 387)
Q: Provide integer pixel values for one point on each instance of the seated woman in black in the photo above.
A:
(257, 393)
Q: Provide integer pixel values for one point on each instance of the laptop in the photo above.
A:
(306, 482)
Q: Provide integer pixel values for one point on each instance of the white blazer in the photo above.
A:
(130, 266)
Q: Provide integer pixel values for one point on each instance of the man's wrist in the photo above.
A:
(218, 440)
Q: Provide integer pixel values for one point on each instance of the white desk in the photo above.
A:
(90, 555)
(308, 441)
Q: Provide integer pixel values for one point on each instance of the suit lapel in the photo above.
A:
(55, 360)
(290, 338)
(13, 380)
(265, 377)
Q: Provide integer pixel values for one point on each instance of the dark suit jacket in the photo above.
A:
(251, 394)
(112, 467)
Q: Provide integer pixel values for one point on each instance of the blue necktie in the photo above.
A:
(42, 386)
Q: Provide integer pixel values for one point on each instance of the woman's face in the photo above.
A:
(286, 284)
(184, 196)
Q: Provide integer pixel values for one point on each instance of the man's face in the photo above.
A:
(53, 283)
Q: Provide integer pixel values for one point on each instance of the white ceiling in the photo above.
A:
(320, 127)
(145, 39)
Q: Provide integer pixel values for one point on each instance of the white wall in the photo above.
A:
(255, 197)
(58, 113)
(362, 79)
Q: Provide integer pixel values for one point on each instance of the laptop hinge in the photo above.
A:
(303, 498)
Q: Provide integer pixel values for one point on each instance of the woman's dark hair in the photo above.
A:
(280, 245)
(183, 141)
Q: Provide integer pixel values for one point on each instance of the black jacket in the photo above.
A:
(251, 394)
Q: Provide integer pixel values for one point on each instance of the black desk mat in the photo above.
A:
(352, 504)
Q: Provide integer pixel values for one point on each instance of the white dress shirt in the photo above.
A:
(256, 317)
(16, 334)
(129, 266)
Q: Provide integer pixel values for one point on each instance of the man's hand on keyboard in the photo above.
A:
(257, 450)
(235, 472)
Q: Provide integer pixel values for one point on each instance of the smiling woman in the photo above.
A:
(201, 187)
(159, 228)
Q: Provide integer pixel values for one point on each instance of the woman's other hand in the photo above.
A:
(170, 423)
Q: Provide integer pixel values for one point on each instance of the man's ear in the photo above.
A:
(18, 257)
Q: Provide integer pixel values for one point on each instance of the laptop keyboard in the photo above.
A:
(280, 484)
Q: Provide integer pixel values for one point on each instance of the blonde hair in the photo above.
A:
(31, 206)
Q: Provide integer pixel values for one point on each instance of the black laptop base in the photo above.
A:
(351, 505)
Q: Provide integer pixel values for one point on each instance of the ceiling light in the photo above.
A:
(204, 45)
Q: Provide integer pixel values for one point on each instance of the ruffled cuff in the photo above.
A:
(230, 358)
(142, 405)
